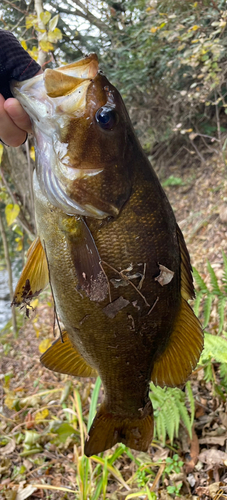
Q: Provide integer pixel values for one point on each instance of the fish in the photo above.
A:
(110, 247)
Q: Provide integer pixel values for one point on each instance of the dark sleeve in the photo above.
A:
(15, 62)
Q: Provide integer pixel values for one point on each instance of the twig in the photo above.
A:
(121, 273)
(21, 217)
(55, 309)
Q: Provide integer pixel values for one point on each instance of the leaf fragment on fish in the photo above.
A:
(165, 276)
(114, 307)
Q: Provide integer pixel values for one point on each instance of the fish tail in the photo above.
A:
(108, 429)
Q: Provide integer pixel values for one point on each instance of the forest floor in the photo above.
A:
(42, 425)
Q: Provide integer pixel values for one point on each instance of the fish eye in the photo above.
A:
(106, 117)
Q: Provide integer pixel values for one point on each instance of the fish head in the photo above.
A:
(81, 132)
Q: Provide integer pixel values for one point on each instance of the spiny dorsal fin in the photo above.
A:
(62, 357)
(183, 351)
(187, 288)
(34, 277)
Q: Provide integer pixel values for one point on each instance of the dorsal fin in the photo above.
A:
(187, 288)
(186, 341)
(62, 357)
(34, 277)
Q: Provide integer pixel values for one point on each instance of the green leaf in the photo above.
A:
(93, 405)
(64, 431)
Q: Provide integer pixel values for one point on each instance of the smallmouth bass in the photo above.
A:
(110, 246)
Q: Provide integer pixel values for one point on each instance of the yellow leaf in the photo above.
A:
(10, 399)
(153, 30)
(19, 242)
(1, 153)
(45, 16)
(11, 212)
(46, 46)
(34, 53)
(31, 21)
(32, 153)
(24, 45)
(41, 415)
(194, 28)
(55, 35)
(195, 5)
(34, 303)
(44, 345)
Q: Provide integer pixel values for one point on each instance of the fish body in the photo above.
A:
(109, 244)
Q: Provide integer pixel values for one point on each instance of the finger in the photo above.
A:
(9, 132)
(18, 114)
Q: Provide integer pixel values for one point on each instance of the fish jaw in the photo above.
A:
(78, 164)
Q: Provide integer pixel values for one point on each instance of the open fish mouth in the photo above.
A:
(51, 99)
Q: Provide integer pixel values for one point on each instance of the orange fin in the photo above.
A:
(187, 288)
(62, 357)
(34, 277)
(183, 351)
(108, 429)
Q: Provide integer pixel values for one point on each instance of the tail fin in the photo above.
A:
(108, 429)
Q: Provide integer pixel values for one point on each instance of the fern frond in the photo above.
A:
(221, 313)
(185, 417)
(214, 281)
(214, 347)
(169, 409)
(199, 281)
(207, 309)
(223, 374)
(197, 302)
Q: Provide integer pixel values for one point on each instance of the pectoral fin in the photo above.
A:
(34, 277)
(183, 351)
(62, 357)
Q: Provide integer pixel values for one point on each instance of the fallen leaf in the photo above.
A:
(213, 440)
(213, 457)
(26, 492)
(9, 448)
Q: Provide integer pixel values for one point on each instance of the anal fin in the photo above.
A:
(62, 357)
(34, 277)
(183, 351)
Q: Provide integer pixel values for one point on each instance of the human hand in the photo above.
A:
(15, 124)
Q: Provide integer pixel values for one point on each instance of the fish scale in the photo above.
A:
(109, 244)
